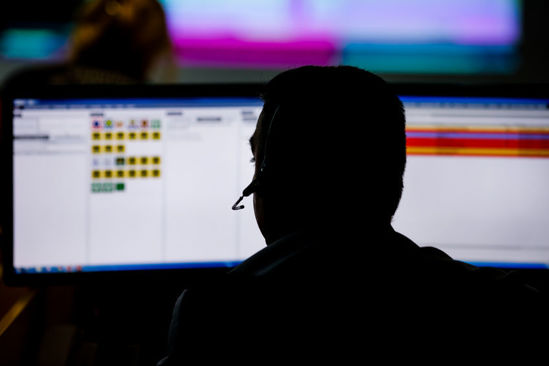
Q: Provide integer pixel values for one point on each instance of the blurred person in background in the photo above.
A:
(113, 42)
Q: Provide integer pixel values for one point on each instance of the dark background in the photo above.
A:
(126, 322)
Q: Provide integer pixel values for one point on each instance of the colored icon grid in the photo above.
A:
(111, 166)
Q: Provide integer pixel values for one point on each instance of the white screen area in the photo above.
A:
(477, 179)
(125, 186)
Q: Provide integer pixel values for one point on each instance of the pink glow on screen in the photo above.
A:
(230, 51)
(295, 32)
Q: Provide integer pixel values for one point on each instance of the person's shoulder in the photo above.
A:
(275, 257)
(477, 288)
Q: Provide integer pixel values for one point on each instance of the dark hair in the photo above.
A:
(121, 35)
(338, 135)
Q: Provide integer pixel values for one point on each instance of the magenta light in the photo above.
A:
(234, 52)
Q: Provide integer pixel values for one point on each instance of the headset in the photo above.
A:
(258, 182)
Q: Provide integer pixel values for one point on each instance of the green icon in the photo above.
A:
(120, 161)
(155, 123)
(120, 186)
(107, 187)
(96, 187)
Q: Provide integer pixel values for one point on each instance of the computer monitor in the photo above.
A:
(395, 36)
(126, 179)
(477, 175)
(108, 182)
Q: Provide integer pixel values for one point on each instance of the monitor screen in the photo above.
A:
(396, 36)
(143, 183)
(124, 183)
(390, 36)
(476, 178)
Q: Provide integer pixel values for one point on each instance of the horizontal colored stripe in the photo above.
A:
(479, 143)
(415, 150)
(477, 135)
(126, 267)
(514, 141)
(474, 100)
(121, 103)
(510, 265)
(479, 129)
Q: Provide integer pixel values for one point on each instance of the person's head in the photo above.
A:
(126, 36)
(329, 148)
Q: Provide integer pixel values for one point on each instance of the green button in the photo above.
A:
(107, 187)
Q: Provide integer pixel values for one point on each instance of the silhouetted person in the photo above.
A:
(113, 42)
(335, 279)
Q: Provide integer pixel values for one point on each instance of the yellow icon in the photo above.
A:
(120, 148)
(132, 173)
(143, 173)
(96, 149)
(108, 135)
(132, 160)
(96, 136)
(156, 160)
(107, 148)
(155, 173)
(156, 135)
(107, 173)
(132, 135)
(120, 174)
(96, 174)
(144, 135)
(144, 160)
(120, 135)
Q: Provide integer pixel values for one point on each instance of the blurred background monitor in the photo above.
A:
(458, 36)
(244, 40)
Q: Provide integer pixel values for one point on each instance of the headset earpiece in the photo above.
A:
(258, 182)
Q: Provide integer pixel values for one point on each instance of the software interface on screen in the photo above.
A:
(476, 179)
(139, 184)
(132, 184)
